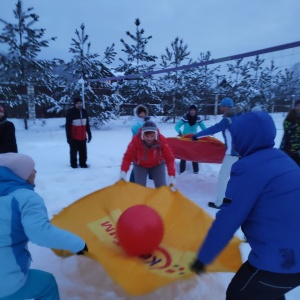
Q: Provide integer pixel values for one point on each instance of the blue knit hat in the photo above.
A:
(226, 102)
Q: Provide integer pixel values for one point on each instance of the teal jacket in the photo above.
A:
(187, 128)
(24, 218)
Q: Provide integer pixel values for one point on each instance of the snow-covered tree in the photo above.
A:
(140, 89)
(201, 83)
(20, 67)
(84, 66)
(176, 97)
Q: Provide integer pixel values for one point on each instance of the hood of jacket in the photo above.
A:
(252, 132)
(10, 182)
(135, 115)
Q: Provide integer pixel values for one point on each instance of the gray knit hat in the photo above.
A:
(21, 164)
(149, 126)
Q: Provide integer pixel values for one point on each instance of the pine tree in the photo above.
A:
(201, 83)
(21, 67)
(267, 83)
(239, 79)
(84, 65)
(173, 85)
(287, 87)
(139, 90)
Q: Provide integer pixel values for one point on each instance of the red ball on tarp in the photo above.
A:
(140, 230)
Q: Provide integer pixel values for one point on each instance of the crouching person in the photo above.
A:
(149, 152)
(24, 218)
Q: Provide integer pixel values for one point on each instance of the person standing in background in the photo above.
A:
(290, 143)
(230, 113)
(190, 123)
(78, 133)
(8, 142)
(140, 113)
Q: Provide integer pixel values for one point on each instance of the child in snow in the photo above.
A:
(149, 152)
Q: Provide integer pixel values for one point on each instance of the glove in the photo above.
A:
(89, 138)
(197, 267)
(123, 175)
(81, 252)
(179, 134)
(69, 141)
(172, 180)
(194, 137)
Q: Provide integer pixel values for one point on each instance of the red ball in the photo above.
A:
(140, 230)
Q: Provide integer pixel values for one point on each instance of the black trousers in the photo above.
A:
(250, 283)
(183, 164)
(78, 147)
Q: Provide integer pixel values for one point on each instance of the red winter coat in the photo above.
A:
(149, 157)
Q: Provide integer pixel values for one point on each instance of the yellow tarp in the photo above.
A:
(94, 218)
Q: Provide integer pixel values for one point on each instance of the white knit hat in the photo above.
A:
(21, 164)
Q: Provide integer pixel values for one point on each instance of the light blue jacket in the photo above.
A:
(187, 128)
(23, 217)
(262, 197)
(137, 121)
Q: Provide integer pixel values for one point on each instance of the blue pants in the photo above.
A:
(39, 285)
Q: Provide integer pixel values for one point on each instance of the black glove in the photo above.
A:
(194, 138)
(197, 267)
(89, 138)
(85, 249)
(180, 134)
(69, 141)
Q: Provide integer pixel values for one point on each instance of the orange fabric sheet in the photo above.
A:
(94, 218)
(205, 150)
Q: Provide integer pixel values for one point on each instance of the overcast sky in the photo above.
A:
(222, 27)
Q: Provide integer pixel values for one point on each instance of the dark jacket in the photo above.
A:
(291, 139)
(77, 125)
(262, 197)
(8, 141)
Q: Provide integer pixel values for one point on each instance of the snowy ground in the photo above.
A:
(60, 185)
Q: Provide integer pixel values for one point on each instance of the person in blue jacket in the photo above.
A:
(23, 218)
(262, 197)
(139, 114)
(190, 123)
(230, 113)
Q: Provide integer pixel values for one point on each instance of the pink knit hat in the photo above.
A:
(21, 164)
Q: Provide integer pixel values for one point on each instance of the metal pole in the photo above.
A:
(81, 81)
(216, 104)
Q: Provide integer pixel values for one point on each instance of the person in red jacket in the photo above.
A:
(78, 133)
(149, 152)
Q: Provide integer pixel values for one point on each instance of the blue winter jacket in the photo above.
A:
(23, 217)
(137, 121)
(263, 197)
(224, 126)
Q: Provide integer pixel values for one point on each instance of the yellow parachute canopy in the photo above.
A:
(94, 218)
